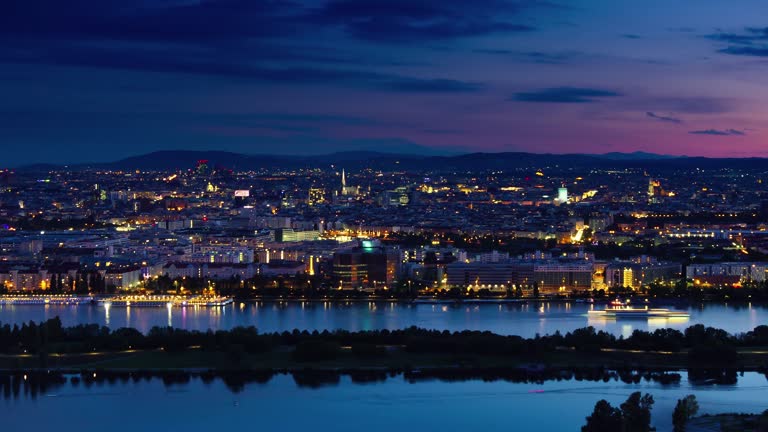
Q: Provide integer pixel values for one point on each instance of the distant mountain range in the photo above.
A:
(183, 159)
(638, 155)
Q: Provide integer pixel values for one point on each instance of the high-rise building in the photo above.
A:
(366, 266)
(562, 195)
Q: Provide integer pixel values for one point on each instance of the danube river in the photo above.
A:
(392, 405)
(506, 318)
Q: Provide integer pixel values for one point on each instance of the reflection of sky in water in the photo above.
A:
(382, 407)
(507, 318)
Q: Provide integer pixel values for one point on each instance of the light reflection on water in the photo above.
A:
(506, 318)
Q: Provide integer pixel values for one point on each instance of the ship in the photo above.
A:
(619, 309)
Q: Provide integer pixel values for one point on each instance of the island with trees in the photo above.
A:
(698, 349)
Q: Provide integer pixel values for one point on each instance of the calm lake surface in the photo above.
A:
(393, 405)
(507, 318)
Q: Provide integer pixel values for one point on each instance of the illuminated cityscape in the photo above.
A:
(327, 232)
(416, 215)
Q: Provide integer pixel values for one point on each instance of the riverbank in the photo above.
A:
(392, 359)
(326, 356)
(355, 297)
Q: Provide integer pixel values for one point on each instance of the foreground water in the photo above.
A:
(521, 319)
(393, 405)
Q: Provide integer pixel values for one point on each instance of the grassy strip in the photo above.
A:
(284, 359)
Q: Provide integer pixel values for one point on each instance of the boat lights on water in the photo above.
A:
(619, 309)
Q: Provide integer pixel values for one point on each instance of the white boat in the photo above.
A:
(617, 309)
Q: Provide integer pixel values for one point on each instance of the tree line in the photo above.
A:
(705, 345)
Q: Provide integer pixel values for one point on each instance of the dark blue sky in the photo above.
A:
(94, 80)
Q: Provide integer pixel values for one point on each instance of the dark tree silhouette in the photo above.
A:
(604, 418)
(686, 408)
(633, 416)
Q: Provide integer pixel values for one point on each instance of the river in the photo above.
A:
(507, 318)
(392, 405)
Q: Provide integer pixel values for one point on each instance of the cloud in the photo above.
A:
(564, 95)
(746, 51)
(205, 61)
(493, 51)
(752, 41)
(527, 56)
(547, 58)
(749, 36)
(408, 21)
(312, 118)
(431, 85)
(152, 20)
(393, 21)
(718, 132)
(262, 40)
(663, 118)
(631, 36)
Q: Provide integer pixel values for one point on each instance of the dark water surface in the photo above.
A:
(392, 405)
(520, 319)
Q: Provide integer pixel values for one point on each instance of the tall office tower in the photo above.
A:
(562, 195)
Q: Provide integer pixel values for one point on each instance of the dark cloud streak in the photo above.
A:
(527, 56)
(667, 119)
(204, 61)
(236, 38)
(409, 21)
(718, 132)
(753, 42)
(565, 95)
(746, 51)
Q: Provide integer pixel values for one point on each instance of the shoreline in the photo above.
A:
(83, 301)
(400, 359)
(519, 373)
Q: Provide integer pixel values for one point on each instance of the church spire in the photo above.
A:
(343, 178)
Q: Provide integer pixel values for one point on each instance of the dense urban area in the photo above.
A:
(333, 232)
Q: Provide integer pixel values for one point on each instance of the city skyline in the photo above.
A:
(99, 81)
(405, 214)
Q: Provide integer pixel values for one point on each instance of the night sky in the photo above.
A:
(97, 80)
